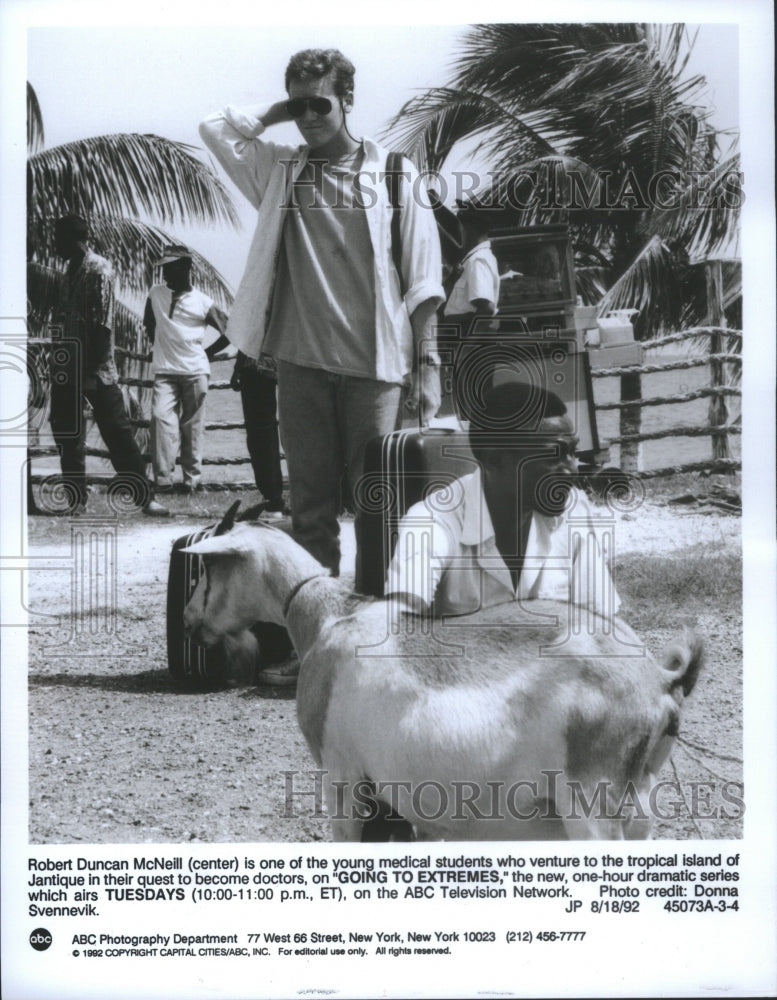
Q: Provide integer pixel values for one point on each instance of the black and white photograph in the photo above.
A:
(388, 485)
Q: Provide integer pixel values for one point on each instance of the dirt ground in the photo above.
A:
(119, 753)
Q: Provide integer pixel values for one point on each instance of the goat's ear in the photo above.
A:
(227, 522)
(219, 545)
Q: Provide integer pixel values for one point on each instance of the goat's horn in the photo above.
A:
(227, 522)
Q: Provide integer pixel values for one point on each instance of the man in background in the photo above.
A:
(474, 294)
(86, 369)
(177, 318)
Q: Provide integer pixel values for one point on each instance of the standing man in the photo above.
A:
(177, 318)
(475, 292)
(86, 368)
(320, 291)
(256, 380)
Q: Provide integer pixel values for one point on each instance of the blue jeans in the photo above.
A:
(326, 422)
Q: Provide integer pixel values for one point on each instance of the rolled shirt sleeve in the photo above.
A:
(425, 546)
(263, 172)
(232, 136)
(481, 283)
(421, 255)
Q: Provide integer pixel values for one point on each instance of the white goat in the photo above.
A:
(492, 736)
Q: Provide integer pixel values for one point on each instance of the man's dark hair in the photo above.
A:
(313, 64)
(75, 225)
(511, 411)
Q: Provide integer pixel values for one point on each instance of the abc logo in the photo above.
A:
(40, 939)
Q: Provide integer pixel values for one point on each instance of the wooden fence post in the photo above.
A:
(631, 422)
(717, 413)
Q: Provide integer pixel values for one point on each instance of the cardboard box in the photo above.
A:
(615, 330)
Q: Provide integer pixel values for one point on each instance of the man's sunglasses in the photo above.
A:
(297, 106)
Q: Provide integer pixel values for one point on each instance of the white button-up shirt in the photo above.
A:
(180, 332)
(479, 279)
(447, 559)
(264, 172)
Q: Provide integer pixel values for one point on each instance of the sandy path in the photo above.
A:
(119, 754)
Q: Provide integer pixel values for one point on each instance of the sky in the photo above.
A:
(167, 81)
(94, 80)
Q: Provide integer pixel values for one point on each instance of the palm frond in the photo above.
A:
(704, 213)
(129, 333)
(620, 100)
(35, 134)
(428, 126)
(603, 93)
(131, 246)
(126, 174)
(523, 60)
(542, 189)
(591, 284)
(648, 285)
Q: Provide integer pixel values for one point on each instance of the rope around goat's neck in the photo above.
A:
(297, 589)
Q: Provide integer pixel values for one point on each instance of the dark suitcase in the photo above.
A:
(399, 470)
(189, 661)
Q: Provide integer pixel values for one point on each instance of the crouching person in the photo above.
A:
(177, 318)
(519, 531)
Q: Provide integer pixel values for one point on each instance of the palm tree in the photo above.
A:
(603, 109)
(124, 184)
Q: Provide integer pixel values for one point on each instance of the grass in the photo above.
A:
(700, 573)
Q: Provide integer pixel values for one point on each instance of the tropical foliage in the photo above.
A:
(602, 127)
(130, 187)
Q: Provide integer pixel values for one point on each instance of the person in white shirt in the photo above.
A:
(177, 318)
(475, 291)
(512, 531)
(475, 294)
(321, 293)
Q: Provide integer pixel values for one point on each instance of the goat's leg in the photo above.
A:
(343, 811)
(386, 826)
(346, 831)
(639, 825)
(599, 810)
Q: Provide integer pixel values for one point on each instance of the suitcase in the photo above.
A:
(189, 661)
(399, 470)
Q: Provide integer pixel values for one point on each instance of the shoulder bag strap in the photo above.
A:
(393, 179)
